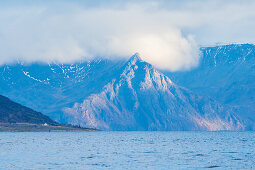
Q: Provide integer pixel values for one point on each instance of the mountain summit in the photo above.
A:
(136, 57)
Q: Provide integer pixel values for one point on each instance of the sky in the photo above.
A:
(167, 34)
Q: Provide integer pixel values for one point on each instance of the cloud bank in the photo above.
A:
(165, 34)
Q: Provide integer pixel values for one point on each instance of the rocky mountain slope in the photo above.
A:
(48, 88)
(226, 74)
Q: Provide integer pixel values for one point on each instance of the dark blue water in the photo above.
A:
(127, 150)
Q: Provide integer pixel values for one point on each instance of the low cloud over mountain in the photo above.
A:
(166, 34)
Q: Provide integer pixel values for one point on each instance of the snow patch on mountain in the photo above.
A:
(31, 77)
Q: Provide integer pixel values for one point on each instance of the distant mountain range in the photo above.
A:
(133, 95)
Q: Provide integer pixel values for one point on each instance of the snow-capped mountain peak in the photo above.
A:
(136, 57)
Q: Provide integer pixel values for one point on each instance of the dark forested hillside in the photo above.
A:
(11, 112)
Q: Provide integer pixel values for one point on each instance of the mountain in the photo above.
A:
(116, 95)
(11, 112)
(226, 74)
(142, 98)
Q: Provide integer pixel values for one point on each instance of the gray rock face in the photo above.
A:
(142, 98)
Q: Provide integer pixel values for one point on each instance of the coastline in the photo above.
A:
(28, 127)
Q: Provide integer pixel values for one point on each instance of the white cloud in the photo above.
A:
(162, 33)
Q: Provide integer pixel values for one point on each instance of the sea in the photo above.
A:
(127, 150)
